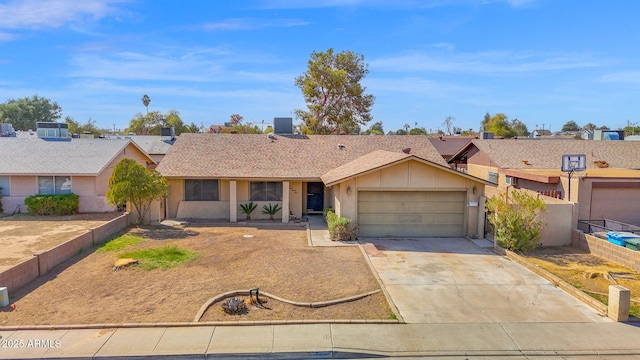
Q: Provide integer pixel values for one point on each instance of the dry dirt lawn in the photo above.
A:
(590, 273)
(23, 235)
(278, 260)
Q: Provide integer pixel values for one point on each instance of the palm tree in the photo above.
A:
(271, 210)
(145, 101)
(248, 209)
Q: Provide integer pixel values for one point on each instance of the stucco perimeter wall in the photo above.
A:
(27, 271)
(559, 218)
(606, 250)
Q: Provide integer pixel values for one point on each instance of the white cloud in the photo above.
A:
(201, 65)
(42, 14)
(628, 77)
(252, 24)
(490, 62)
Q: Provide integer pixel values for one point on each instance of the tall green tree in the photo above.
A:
(498, 124)
(24, 113)
(134, 183)
(151, 123)
(570, 126)
(89, 127)
(375, 129)
(336, 100)
(519, 128)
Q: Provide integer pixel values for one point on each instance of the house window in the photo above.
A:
(54, 185)
(266, 191)
(201, 190)
(492, 177)
(4, 186)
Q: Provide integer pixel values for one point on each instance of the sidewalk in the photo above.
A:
(300, 340)
(457, 341)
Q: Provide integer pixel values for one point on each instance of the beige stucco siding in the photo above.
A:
(409, 176)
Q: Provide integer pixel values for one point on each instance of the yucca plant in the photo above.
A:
(271, 210)
(248, 208)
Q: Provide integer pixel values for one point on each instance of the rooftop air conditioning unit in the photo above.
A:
(510, 180)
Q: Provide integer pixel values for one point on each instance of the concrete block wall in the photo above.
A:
(28, 270)
(63, 252)
(103, 232)
(20, 275)
(606, 250)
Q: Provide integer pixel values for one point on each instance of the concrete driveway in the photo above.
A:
(453, 280)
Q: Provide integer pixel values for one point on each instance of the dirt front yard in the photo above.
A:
(23, 235)
(587, 272)
(278, 260)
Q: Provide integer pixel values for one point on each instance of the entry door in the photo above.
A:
(315, 196)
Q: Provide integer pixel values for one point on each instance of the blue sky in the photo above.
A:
(542, 61)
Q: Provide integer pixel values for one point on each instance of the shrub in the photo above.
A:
(248, 208)
(517, 220)
(271, 210)
(325, 212)
(341, 228)
(64, 204)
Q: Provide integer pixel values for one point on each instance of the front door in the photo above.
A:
(315, 196)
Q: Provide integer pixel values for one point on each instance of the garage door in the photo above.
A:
(411, 213)
(620, 204)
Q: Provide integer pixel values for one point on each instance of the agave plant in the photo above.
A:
(271, 210)
(248, 208)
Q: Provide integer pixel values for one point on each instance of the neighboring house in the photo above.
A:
(392, 186)
(80, 166)
(155, 146)
(609, 188)
(540, 132)
(447, 146)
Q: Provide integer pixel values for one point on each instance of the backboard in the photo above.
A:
(574, 162)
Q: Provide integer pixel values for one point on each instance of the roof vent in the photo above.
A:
(341, 147)
(271, 136)
(406, 150)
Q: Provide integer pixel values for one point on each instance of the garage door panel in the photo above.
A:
(620, 204)
(412, 219)
(410, 231)
(412, 196)
(443, 207)
(411, 213)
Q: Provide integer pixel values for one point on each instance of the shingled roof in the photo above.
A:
(284, 157)
(40, 157)
(509, 154)
(371, 161)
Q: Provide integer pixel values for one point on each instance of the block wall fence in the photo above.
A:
(39, 265)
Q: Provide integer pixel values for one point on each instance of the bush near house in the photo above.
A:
(64, 204)
(340, 227)
(515, 216)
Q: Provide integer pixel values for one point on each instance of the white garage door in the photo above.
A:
(411, 213)
(620, 204)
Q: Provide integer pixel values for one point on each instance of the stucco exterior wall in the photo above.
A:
(295, 198)
(409, 176)
(481, 171)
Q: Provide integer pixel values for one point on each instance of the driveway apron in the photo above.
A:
(453, 280)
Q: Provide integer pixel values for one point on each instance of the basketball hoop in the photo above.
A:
(571, 163)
